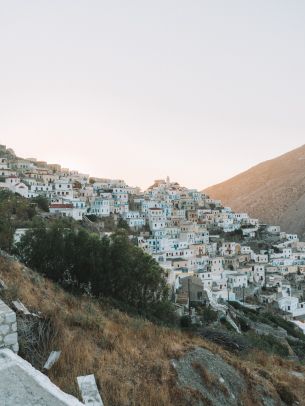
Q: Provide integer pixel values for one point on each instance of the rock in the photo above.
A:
(16, 348)
(53, 357)
(89, 390)
(11, 339)
(218, 382)
(4, 329)
(209, 374)
(10, 317)
(297, 374)
(22, 385)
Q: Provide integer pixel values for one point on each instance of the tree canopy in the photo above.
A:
(108, 267)
(15, 211)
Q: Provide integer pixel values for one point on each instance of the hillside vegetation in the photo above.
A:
(135, 361)
(108, 267)
(68, 253)
(273, 191)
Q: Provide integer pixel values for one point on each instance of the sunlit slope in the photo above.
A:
(273, 191)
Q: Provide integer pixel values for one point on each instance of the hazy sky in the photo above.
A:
(197, 90)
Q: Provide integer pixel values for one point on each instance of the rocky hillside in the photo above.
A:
(138, 363)
(273, 191)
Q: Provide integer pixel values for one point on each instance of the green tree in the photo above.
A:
(123, 224)
(42, 202)
(113, 268)
(15, 211)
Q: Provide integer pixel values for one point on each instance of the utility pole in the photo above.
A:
(189, 294)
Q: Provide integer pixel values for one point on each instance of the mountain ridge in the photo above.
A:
(273, 191)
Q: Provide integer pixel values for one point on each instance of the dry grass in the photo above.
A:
(130, 357)
(207, 378)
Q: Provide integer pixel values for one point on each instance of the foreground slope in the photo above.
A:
(136, 362)
(273, 191)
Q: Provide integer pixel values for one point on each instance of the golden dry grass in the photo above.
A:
(130, 357)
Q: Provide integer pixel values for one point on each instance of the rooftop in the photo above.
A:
(61, 206)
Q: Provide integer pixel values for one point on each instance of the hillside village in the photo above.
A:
(211, 254)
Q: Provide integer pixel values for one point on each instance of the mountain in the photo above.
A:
(273, 191)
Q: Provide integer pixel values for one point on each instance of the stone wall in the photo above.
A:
(8, 328)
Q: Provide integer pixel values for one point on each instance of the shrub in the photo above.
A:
(42, 202)
(209, 315)
(185, 322)
(268, 344)
(243, 325)
(285, 394)
(111, 267)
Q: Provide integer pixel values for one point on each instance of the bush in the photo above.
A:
(209, 315)
(110, 267)
(243, 325)
(271, 319)
(268, 344)
(123, 224)
(15, 211)
(185, 322)
(298, 348)
(285, 394)
(226, 324)
(286, 325)
(42, 202)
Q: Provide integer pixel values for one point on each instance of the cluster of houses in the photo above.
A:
(209, 253)
(71, 194)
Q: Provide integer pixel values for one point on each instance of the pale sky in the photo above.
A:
(196, 90)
